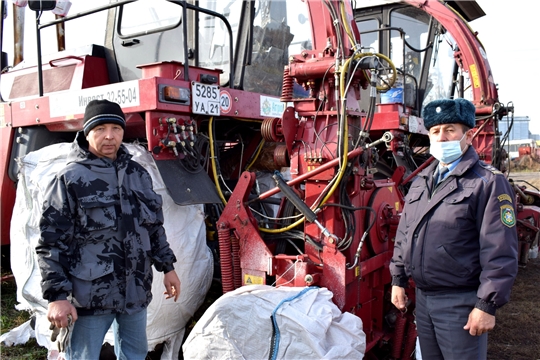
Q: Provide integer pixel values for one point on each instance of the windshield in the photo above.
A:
(74, 37)
(407, 54)
(404, 49)
(280, 28)
(214, 37)
(278, 33)
(148, 15)
(151, 31)
(441, 71)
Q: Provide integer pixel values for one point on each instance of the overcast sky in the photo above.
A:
(509, 32)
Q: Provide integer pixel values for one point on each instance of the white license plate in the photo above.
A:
(205, 99)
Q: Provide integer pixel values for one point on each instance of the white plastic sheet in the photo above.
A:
(186, 234)
(238, 326)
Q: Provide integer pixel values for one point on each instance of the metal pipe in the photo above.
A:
(420, 168)
(525, 199)
(387, 136)
(18, 34)
(60, 35)
(3, 11)
(186, 55)
(309, 174)
(39, 65)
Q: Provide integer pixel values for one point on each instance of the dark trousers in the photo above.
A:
(440, 320)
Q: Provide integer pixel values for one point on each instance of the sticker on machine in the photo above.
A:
(414, 126)
(69, 103)
(225, 101)
(253, 280)
(271, 107)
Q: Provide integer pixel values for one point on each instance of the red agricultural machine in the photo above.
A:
(323, 98)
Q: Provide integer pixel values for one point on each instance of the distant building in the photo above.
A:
(520, 128)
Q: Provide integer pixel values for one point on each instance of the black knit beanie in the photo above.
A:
(103, 112)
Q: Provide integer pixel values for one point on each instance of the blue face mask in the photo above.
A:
(447, 151)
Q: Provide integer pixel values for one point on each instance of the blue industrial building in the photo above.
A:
(520, 128)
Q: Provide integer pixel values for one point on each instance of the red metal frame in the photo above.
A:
(309, 130)
(7, 188)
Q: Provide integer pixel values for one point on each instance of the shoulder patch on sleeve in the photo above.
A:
(508, 217)
(504, 197)
(490, 168)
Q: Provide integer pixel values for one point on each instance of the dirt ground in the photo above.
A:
(517, 331)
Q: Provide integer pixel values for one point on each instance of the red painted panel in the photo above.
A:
(7, 186)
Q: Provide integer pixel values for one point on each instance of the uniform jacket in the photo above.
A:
(101, 231)
(461, 235)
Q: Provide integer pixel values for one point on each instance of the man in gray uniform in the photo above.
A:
(456, 239)
(101, 231)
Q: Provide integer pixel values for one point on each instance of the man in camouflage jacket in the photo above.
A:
(101, 231)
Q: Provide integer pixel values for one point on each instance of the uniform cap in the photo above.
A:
(448, 111)
(102, 112)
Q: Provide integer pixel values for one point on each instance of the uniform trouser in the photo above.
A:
(129, 336)
(440, 320)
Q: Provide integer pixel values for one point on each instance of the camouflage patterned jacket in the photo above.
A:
(101, 230)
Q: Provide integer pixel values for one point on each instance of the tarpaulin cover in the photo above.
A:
(308, 325)
(186, 233)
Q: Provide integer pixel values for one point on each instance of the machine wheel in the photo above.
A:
(384, 201)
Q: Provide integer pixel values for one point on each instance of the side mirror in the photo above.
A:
(42, 5)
